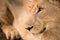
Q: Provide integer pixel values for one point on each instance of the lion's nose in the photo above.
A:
(29, 28)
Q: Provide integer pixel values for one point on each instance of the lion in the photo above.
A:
(44, 20)
(35, 19)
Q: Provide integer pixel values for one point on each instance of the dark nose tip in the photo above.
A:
(29, 28)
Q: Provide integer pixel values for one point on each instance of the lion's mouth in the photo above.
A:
(43, 30)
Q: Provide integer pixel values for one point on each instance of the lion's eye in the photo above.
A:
(39, 10)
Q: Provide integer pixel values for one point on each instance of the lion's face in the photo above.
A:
(46, 21)
(47, 16)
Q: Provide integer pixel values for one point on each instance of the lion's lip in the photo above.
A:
(43, 30)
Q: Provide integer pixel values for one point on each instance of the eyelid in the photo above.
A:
(39, 9)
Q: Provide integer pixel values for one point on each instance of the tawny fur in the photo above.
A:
(49, 18)
(26, 14)
(6, 21)
(20, 14)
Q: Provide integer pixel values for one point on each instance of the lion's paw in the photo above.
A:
(10, 32)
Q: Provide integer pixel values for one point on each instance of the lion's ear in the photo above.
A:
(55, 2)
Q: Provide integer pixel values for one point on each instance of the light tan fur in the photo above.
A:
(6, 21)
(26, 14)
